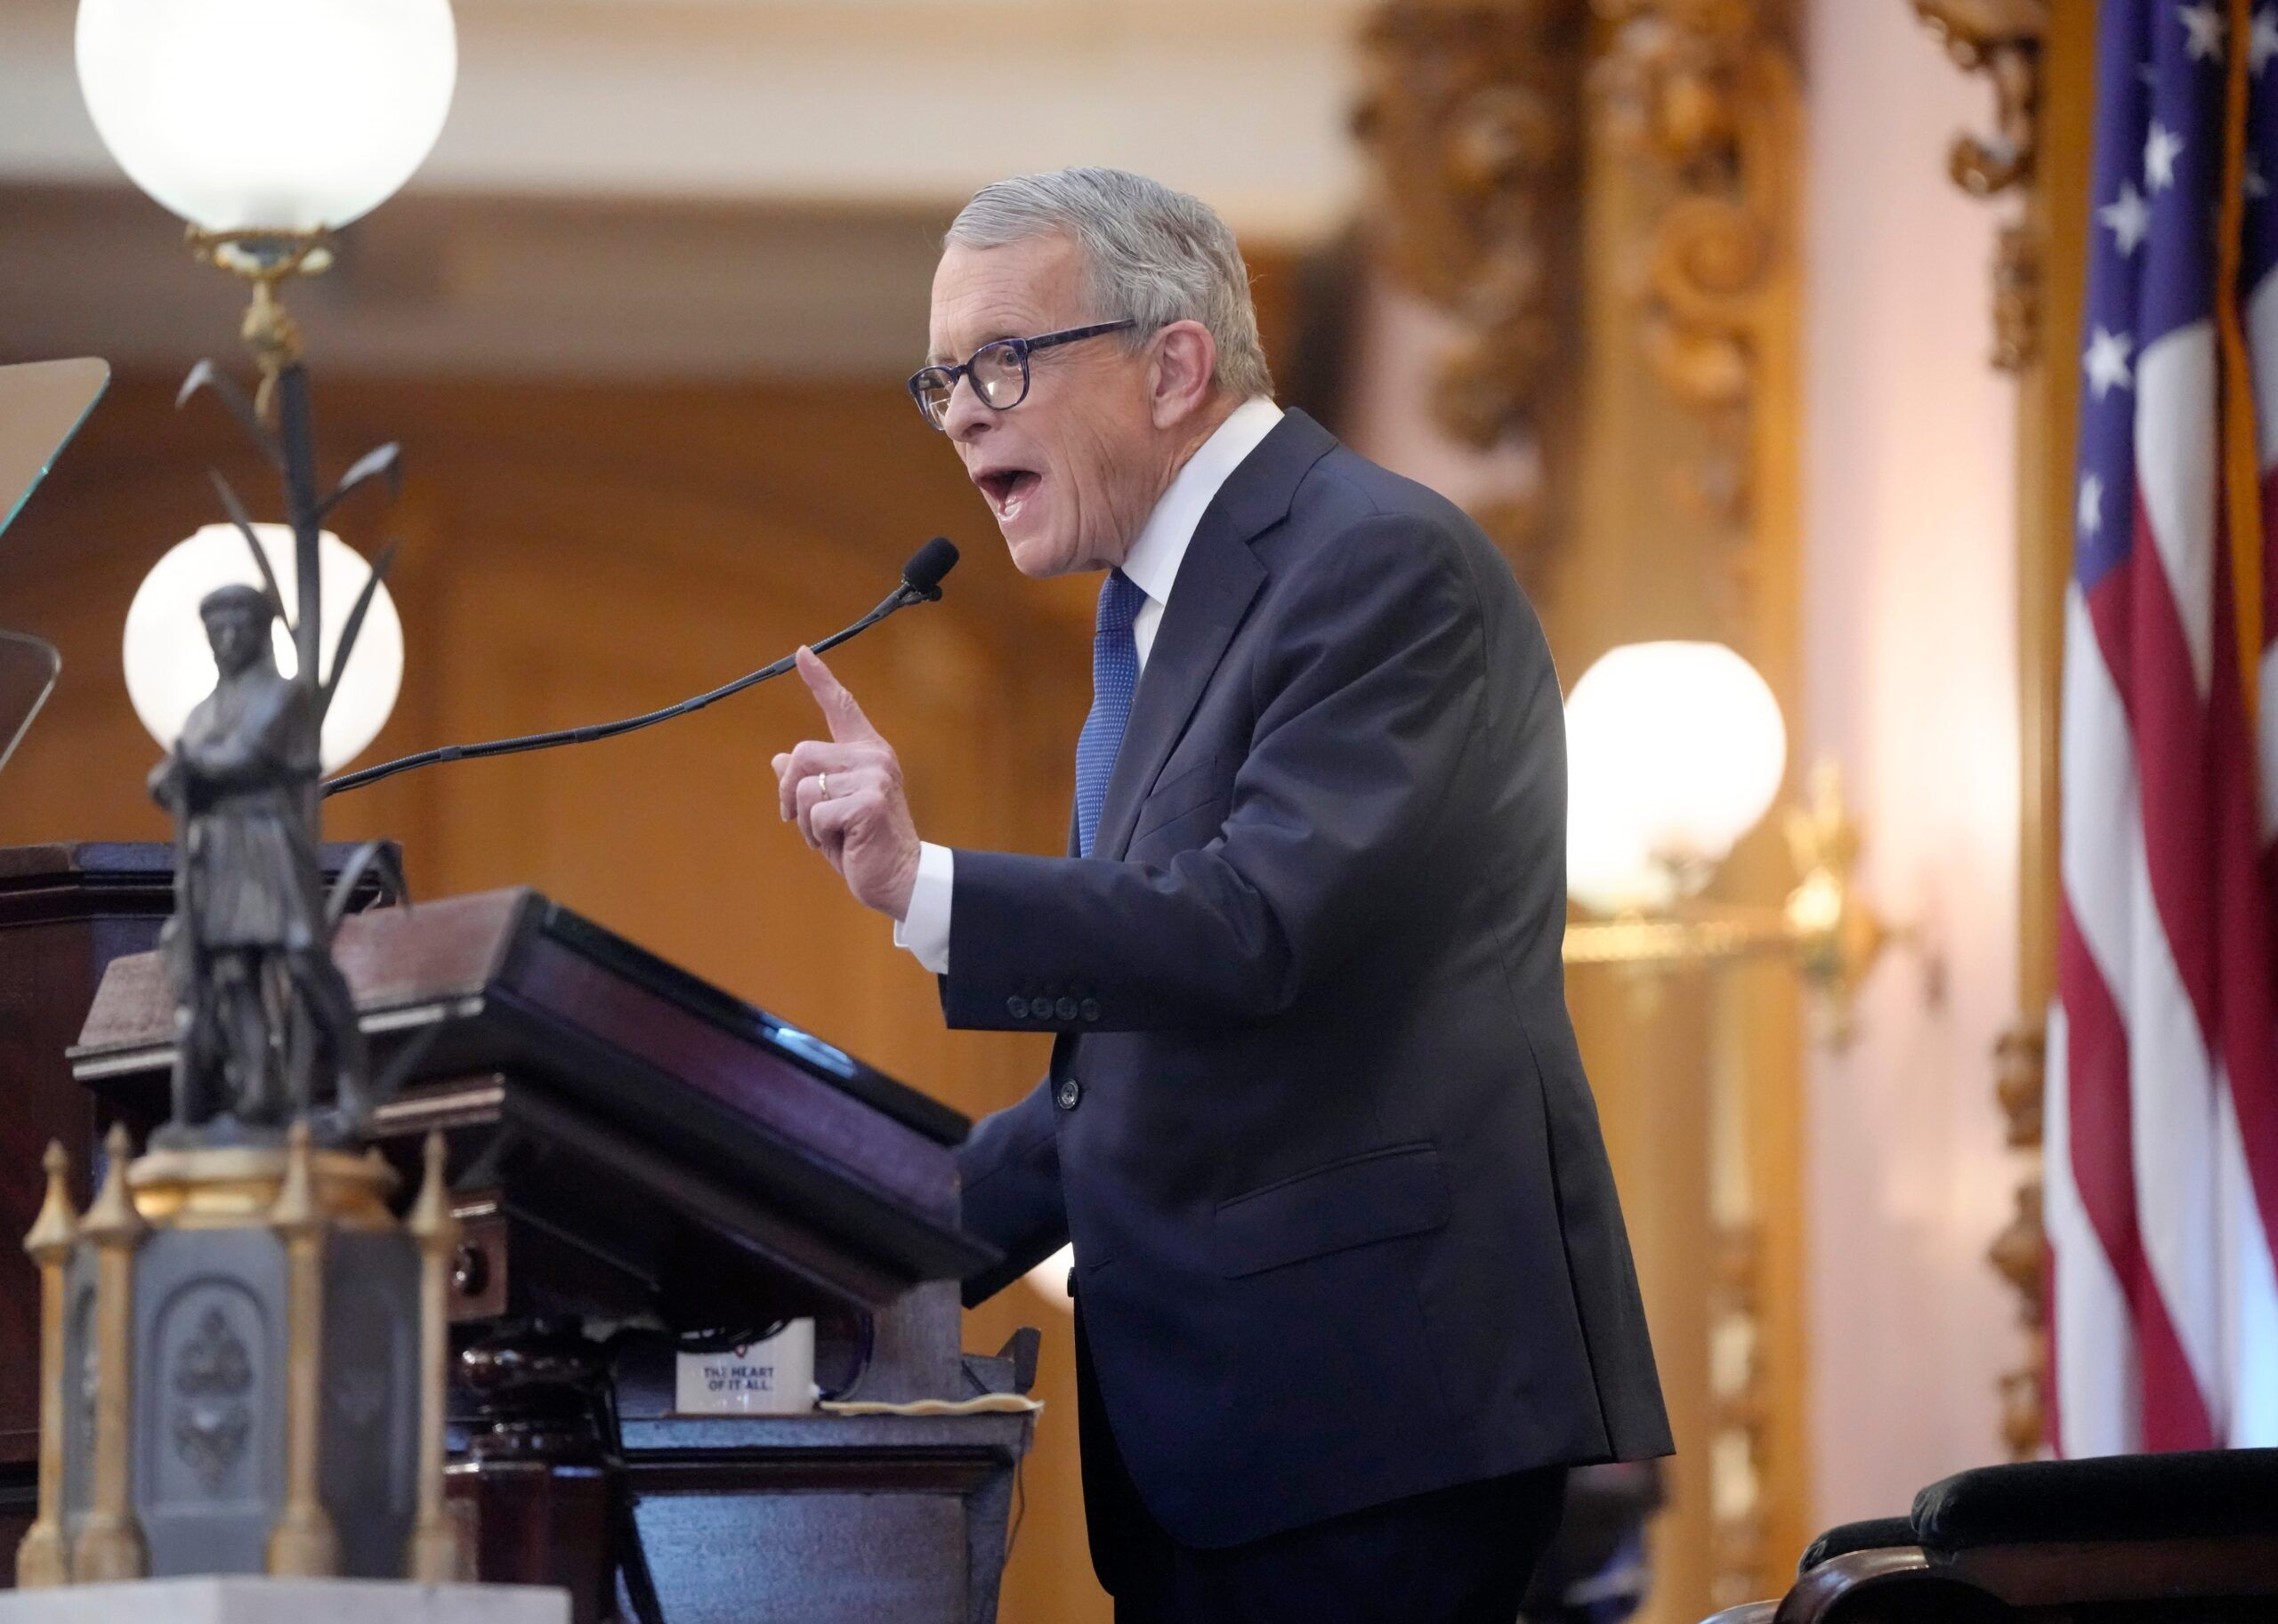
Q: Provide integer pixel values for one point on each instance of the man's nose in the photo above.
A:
(966, 416)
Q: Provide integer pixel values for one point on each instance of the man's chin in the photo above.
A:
(1037, 557)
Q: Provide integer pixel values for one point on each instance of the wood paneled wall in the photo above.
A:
(576, 553)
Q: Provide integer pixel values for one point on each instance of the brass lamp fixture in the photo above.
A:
(267, 126)
(1675, 750)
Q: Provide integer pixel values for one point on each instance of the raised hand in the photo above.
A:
(847, 795)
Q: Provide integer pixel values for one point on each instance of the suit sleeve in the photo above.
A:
(1008, 1170)
(1367, 697)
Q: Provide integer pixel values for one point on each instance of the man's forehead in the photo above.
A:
(1011, 288)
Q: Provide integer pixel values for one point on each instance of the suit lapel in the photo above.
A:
(1216, 582)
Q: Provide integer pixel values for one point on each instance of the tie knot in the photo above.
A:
(1120, 600)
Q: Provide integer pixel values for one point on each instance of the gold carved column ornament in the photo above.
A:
(1699, 100)
(2002, 40)
(1703, 92)
(2005, 40)
(2020, 1252)
(1472, 112)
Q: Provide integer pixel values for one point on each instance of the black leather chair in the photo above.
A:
(2191, 1538)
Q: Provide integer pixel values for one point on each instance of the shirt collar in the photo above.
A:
(1152, 564)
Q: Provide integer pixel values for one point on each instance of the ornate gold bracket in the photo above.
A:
(1825, 926)
(266, 259)
(1472, 112)
(2001, 39)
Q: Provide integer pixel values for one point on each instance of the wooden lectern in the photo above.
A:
(637, 1160)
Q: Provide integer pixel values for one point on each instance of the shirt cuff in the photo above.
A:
(924, 930)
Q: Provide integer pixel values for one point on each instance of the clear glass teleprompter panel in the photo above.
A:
(42, 405)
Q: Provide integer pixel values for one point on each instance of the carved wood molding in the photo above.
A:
(2001, 39)
(2019, 1253)
(1703, 92)
(1471, 112)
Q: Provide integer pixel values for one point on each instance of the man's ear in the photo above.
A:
(1179, 378)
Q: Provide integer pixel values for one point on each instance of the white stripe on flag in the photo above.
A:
(2248, 1419)
(2262, 362)
(2170, 1083)
(2097, 1380)
(2175, 458)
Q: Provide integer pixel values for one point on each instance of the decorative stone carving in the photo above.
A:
(2002, 40)
(212, 1374)
(1472, 111)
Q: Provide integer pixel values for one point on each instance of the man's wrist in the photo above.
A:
(924, 928)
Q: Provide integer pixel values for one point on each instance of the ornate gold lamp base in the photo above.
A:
(1825, 927)
(250, 1331)
(266, 259)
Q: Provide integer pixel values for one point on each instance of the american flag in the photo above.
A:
(2162, 1121)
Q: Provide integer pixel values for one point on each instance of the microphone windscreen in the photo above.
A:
(930, 563)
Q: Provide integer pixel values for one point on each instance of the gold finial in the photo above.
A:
(303, 1544)
(57, 1226)
(434, 1556)
(113, 1214)
(431, 1211)
(44, 1558)
(110, 1547)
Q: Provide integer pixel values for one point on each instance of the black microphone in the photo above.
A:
(921, 583)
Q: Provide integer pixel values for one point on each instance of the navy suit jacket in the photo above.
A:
(1345, 1227)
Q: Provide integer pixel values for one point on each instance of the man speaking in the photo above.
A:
(1351, 1284)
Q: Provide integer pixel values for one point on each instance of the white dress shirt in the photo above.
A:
(1153, 567)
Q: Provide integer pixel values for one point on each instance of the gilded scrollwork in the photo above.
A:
(1702, 93)
(1471, 112)
(2001, 39)
(2019, 1253)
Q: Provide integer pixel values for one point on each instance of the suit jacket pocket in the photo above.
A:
(1378, 1196)
(1189, 791)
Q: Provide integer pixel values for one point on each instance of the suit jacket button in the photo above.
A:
(1089, 1009)
(1017, 1007)
(1065, 1009)
(1069, 1093)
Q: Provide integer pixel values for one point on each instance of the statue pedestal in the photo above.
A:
(251, 1600)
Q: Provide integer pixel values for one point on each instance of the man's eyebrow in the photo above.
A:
(939, 358)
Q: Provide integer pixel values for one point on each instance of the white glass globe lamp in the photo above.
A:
(1675, 750)
(268, 116)
(169, 666)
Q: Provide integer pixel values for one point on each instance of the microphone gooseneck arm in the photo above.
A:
(920, 584)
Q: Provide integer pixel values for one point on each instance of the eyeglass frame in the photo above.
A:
(1022, 348)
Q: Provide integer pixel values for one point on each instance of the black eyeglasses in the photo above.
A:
(998, 372)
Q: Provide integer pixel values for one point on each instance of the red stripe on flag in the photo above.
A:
(2167, 722)
(2101, 1123)
(2248, 1037)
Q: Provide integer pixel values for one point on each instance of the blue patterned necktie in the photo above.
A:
(1115, 678)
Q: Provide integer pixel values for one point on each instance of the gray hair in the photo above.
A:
(1154, 254)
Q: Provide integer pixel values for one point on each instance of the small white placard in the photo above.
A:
(773, 1378)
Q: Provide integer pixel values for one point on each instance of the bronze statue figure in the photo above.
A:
(264, 1013)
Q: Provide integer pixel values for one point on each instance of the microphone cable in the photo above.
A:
(921, 583)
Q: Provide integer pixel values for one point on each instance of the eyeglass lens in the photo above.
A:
(998, 372)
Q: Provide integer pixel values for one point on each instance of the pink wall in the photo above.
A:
(1911, 683)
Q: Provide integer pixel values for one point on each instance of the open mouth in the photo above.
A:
(1007, 490)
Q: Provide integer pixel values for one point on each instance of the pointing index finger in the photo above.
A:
(846, 717)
